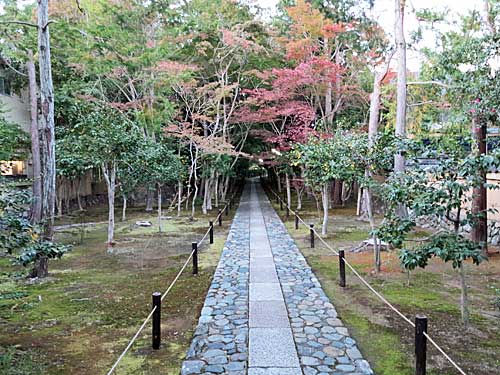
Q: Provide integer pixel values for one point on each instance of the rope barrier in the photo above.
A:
(131, 342)
(367, 284)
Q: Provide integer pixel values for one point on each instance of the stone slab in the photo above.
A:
(265, 292)
(263, 275)
(268, 314)
(272, 347)
(261, 261)
(275, 371)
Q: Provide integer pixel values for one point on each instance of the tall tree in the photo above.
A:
(48, 142)
(400, 130)
(36, 205)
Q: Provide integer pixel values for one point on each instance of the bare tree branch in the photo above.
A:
(428, 83)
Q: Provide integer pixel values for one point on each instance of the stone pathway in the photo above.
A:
(265, 312)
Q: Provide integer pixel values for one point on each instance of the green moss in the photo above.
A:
(16, 362)
(384, 348)
(354, 235)
(82, 316)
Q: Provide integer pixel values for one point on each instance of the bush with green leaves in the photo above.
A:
(442, 191)
(17, 235)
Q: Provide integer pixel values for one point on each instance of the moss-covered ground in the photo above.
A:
(79, 319)
(385, 339)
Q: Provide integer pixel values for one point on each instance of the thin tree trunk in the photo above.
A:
(36, 204)
(299, 198)
(149, 200)
(365, 199)
(372, 133)
(337, 192)
(288, 190)
(124, 208)
(210, 190)
(278, 180)
(195, 176)
(159, 208)
(479, 232)
(67, 197)
(48, 145)
(78, 196)
(179, 203)
(195, 194)
(188, 194)
(109, 172)
(205, 197)
(464, 303)
(399, 160)
(41, 267)
(376, 245)
(325, 198)
(216, 189)
(225, 189)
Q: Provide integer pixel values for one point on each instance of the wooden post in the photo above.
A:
(420, 344)
(227, 209)
(156, 332)
(311, 232)
(296, 222)
(195, 257)
(220, 218)
(281, 203)
(211, 231)
(342, 268)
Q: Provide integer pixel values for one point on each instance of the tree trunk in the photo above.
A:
(195, 194)
(67, 196)
(188, 194)
(207, 194)
(299, 198)
(216, 189)
(479, 207)
(124, 208)
(59, 201)
(325, 198)
(210, 191)
(278, 180)
(376, 244)
(78, 196)
(372, 133)
(149, 200)
(288, 190)
(365, 199)
(399, 161)
(41, 267)
(109, 172)
(36, 204)
(464, 303)
(337, 192)
(159, 208)
(48, 145)
(179, 203)
(225, 189)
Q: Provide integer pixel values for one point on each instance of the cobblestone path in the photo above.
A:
(265, 312)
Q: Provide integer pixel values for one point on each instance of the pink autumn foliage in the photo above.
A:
(285, 101)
